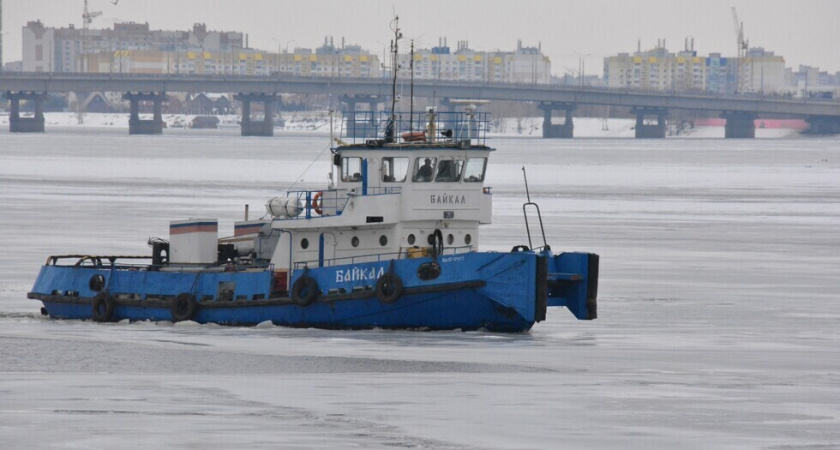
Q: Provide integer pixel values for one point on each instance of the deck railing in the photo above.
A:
(419, 127)
(331, 203)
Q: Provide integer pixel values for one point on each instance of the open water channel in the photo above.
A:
(719, 305)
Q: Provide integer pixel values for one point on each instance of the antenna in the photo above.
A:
(411, 101)
(389, 129)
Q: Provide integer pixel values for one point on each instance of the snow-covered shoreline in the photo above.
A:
(585, 127)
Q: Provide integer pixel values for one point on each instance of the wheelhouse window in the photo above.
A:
(449, 170)
(424, 169)
(474, 172)
(351, 169)
(394, 170)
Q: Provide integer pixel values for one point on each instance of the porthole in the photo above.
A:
(411, 239)
(450, 239)
(467, 239)
(431, 239)
(383, 240)
(355, 241)
(304, 243)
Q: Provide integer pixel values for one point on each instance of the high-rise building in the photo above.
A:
(47, 49)
(656, 69)
(524, 65)
(328, 60)
(759, 71)
(135, 48)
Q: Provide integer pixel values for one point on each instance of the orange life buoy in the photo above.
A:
(316, 202)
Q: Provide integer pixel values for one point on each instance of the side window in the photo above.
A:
(351, 169)
(424, 168)
(449, 170)
(394, 170)
(474, 172)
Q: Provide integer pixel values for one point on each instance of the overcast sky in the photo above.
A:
(803, 31)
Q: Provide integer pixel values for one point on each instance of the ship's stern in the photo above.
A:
(571, 280)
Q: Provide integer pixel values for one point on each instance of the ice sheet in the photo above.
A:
(718, 314)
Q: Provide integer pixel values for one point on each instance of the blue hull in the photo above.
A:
(505, 292)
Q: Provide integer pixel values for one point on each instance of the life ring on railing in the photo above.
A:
(304, 290)
(103, 307)
(184, 307)
(389, 288)
(316, 202)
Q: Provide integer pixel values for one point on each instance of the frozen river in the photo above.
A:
(719, 305)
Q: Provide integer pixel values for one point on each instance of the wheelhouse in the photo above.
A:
(405, 196)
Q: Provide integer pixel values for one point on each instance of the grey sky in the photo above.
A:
(803, 31)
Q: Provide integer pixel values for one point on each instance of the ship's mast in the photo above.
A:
(411, 101)
(389, 129)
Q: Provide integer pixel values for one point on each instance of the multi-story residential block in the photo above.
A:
(656, 69)
(47, 49)
(328, 60)
(524, 65)
(759, 71)
(135, 48)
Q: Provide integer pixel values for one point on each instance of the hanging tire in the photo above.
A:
(389, 288)
(437, 247)
(184, 307)
(103, 307)
(304, 291)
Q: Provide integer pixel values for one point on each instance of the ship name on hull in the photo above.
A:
(448, 199)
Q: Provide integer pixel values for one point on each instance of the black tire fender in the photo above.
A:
(103, 307)
(304, 290)
(184, 307)
(389, 288)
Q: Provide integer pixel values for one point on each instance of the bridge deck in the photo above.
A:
(65, 82)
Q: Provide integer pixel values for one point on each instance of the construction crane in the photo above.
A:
(739, 34)
(1, 35)
(88, 16)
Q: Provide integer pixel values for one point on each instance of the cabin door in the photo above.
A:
(326, 249)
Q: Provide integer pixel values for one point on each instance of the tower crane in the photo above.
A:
(88, 16)
(739, 34)
(1, 35)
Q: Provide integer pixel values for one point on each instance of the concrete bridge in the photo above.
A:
(739, 111)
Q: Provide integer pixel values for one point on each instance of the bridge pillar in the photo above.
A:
(739, 125)
(650, 131)
(823, 125)
(18, 124)
(255, 127)
(566, 130)
(137, 126)
(364, 129)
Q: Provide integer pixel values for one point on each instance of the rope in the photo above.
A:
(300, 177)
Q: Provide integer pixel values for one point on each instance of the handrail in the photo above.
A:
(452, 128)
(331, 201)
(110, 261)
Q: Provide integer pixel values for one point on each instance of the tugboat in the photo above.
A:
(392, 242)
